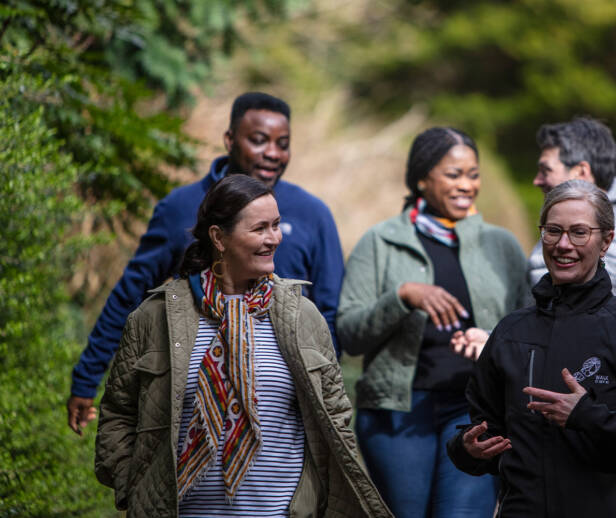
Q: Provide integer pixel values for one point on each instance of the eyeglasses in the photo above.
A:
(578, 235)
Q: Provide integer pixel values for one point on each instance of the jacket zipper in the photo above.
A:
(505, 493)
(531, 365)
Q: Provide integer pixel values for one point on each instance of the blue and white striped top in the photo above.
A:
(271, 482)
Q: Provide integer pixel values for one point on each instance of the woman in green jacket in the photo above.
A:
(225, 397)
(410, 283)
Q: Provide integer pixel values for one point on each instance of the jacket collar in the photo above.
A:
(400, 231)
(573, 298)
(181, 287)
(218, 170)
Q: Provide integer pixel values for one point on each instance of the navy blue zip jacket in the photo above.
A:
(310, 250)
(550, 472)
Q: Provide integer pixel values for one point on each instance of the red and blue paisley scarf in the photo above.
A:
(226, 397)
(440, 229)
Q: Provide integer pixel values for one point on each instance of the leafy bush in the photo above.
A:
(79, 135)
(44, 470)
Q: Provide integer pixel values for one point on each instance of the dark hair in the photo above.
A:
(221, 207)
(583, 139)
(427, 150)
(257, 101)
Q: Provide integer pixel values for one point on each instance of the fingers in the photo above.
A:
(72, 421)
(499, 445)
(458, 342)
(546, 395)
(80, 413)
(539, 406)
(444, 309)
(434, 316)
(484, 449)
(475, 432)
(87, 415)
(571, 382)
(472, 351)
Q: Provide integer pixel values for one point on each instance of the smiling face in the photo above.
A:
(258, 145)
(453, 184)
(248, 251)
(568, 263)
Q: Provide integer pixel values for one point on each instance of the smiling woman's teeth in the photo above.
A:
(565, 260)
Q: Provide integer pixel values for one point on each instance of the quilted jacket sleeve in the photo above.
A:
(335, 397)
(327, 271)
(367, 314)
(118, 417)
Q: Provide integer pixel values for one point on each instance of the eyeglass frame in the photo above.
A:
(563, 231)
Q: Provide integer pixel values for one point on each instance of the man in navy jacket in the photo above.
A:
(257, 141)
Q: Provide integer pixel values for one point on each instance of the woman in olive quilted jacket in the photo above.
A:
(225, 397)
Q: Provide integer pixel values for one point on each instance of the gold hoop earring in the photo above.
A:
(218, 263)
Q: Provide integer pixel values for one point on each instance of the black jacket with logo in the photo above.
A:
(550, 471)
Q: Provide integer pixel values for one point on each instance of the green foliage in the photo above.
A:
(499, 70)
(80, 132)
(93, 109)
(496, 69)
(44, 470)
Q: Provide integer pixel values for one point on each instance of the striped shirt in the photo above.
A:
(270, 484)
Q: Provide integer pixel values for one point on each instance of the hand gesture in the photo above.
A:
(442, 307)
(556, 407)
(484, 449)
(80, 412)
(469, 343)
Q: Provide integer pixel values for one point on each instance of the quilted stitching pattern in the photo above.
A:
(136, 455)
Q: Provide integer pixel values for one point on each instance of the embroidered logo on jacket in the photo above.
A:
(286, 228)
(589, 368)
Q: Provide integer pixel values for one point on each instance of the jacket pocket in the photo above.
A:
(153, 362)
(154, 391)
(315, 364)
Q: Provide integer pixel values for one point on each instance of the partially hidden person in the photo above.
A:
(258, 142)
(580, 149)
(225, 397)
(543, 393)
(411, 282)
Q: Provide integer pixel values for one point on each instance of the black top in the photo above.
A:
(550, 472)
(438, 367)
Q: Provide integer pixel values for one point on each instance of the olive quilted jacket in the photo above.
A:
(141, 409)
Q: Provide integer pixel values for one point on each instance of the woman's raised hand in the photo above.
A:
(556, 406)
(443, 308)
(484, 449)
(469, 343)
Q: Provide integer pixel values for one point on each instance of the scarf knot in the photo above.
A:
(226, 400)
(438, 228)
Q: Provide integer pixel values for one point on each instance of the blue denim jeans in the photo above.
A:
(406, 455)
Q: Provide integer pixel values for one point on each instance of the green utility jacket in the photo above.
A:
(141, 409)
(373, 321)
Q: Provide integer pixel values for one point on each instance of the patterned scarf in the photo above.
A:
(226, 394)
(439, 229)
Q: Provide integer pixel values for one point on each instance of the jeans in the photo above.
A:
(406, 455)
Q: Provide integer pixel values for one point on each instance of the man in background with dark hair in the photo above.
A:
(258, 144)
(583, 148)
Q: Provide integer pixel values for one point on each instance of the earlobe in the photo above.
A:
(216, 234)
(584, 172)
(228, 140)
(607, 241)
